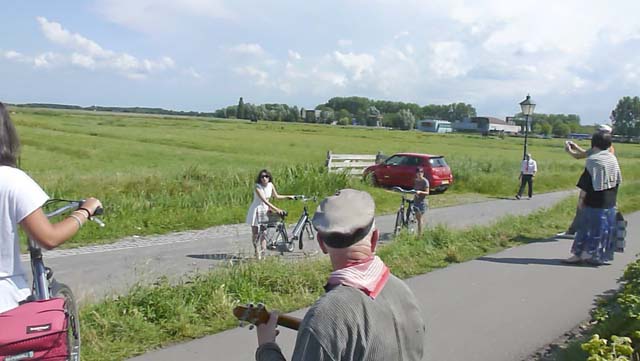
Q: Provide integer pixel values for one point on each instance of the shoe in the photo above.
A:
(567, 235)
(572, 260)
(530, 197)
(517, 196)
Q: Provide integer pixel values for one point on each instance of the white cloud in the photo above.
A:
(251, 49)
(88, 54)
(12, 54)
(83, 60)
(153, 16)
(294, 55)
(54, 32)
(448, 59)
(358, 64)
(260, 77)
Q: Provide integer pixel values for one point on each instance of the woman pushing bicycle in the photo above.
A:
(263, 191)
(21, 200)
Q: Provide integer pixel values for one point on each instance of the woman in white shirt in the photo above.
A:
(21, 200)
(263, 191)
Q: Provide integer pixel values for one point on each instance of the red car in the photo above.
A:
(400, 170)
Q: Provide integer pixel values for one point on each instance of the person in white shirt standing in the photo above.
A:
(21, 200)
(528, 170)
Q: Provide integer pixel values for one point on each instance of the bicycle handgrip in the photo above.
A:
(98, 211)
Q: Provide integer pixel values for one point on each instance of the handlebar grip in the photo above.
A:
(98, 211)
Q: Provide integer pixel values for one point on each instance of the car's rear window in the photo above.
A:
(438, 162)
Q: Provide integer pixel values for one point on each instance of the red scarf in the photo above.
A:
(369, 276)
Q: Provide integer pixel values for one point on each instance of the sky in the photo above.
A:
(572, 57)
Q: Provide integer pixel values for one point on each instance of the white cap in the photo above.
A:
(604, 128)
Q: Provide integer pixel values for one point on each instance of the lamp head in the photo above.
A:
(527, 105)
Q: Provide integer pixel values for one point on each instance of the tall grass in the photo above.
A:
(162, 174)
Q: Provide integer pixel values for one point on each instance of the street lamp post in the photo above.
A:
(527, 106)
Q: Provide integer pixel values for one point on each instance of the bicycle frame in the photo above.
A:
(405, 212)
(304, 223)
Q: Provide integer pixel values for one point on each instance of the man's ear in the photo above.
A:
(374, 239)
(321, 243)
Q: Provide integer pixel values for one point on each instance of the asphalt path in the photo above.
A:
(500, 307)
(96, 272)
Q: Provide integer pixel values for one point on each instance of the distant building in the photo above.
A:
(486, 125)
(311, 116)
(434, 126)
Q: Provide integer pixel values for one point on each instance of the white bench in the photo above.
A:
(352, 164)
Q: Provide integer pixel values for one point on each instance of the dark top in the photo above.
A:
(602, 199)
(420, 185)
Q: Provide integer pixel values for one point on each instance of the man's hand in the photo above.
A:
(267, 331)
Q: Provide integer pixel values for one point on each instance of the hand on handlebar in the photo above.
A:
(93, 205)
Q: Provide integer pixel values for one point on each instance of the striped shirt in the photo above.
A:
(347, 325)
(604, 170)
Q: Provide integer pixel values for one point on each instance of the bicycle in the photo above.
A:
(304, 223)
(274, 232)
(45, 286)
(406, 215)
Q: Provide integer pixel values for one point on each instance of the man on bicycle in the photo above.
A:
(420, 205)
(364, 303)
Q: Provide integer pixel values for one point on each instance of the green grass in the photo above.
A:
(154, 316)
(161, 174)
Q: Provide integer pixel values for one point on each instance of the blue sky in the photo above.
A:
(572, 56)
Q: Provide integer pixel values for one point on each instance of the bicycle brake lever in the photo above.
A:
(98, 221)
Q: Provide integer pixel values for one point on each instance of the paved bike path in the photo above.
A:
(97, 271)
(501, 307)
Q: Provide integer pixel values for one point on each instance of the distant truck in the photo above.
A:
(434, 126)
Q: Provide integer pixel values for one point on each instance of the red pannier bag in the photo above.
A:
(34, 331)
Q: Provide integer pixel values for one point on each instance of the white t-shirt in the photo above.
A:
(19, 197)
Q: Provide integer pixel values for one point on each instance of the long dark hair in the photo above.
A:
(9, 142)
(259, 178)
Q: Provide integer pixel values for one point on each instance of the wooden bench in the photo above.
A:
(352, 164)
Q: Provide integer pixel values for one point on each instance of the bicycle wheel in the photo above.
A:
(71, 309)
(283, 240)
(399, 222)
(310, 235)
(412, 223)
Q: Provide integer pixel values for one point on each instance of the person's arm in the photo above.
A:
(50, 235)
(581, 198)
(535, 168)
(280, 196)
(264, 199)
(575, 150)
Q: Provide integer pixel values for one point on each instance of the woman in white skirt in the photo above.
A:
(264, 190)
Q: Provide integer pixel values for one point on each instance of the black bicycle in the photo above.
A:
(274, 231)
(45, 285)
(406, 215)
(303, 224)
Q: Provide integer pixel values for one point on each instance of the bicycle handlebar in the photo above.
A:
(71, 204)
(302, 197)
(402, 190)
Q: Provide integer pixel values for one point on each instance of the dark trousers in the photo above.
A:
(526, 179)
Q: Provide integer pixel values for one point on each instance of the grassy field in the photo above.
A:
(162, 174)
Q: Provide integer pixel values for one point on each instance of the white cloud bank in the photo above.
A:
(87, 54)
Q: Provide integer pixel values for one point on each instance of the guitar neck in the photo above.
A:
(289, 322)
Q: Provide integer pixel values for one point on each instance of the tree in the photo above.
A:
(406, 120)
(373, 116)
(626, 117)
(561, 129)
(545, 128)
(241, 111)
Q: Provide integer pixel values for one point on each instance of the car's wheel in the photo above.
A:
(371, 179)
